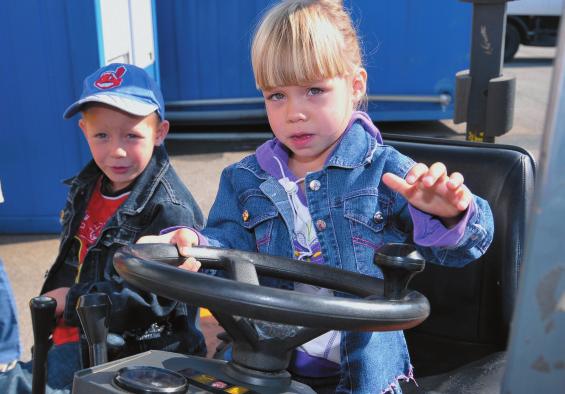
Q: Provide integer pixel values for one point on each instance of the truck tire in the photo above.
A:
(511, 42)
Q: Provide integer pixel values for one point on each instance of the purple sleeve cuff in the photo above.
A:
(202, 241)
(171, 229)
(431, 232)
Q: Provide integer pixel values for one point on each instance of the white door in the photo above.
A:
(127, 33)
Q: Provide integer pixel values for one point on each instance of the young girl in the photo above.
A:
(327, 191)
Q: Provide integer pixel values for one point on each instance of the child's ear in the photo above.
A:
(82, 125)
(359, 84)
(161, 132)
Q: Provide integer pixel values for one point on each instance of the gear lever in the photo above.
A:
(94, 312)
(399, 263)
(42, 320)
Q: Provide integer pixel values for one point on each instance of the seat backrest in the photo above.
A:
(471, 307)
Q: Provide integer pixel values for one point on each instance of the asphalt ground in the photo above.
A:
(27, 257)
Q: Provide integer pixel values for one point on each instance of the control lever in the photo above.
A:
(399, 263)
(42, 320)
(94, 313)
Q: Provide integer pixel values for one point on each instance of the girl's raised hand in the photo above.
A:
(432, 190)
(183, 238)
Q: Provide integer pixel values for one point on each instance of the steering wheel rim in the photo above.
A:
(152, 267)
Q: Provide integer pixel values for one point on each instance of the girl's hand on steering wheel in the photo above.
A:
(183, 238)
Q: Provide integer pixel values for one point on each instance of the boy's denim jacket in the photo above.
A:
(354, 214)
(158, 199)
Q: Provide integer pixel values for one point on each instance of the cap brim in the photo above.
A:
(130, 106)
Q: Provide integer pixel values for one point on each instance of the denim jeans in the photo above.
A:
(62, 362)
(10, 348)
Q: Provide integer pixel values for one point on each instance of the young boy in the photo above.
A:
(129, 190)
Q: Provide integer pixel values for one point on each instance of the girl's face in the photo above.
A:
(309, 119)
(121, 144)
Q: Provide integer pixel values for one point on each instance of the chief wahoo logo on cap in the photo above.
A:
(110, 79)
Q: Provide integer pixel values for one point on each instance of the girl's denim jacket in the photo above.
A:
(158, 199)
(354, 214)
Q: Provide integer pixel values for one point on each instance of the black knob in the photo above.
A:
(94, 314)
(399, 263)
(42, 321)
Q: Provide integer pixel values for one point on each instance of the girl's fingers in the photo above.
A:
(416, 173)
(184, 239)
(462, 198)
(455, 181)
(436, 172)
(191, 264)
(395, 182)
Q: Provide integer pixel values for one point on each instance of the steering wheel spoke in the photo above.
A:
(242, 271)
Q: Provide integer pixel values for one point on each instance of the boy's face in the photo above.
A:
(309, 119)
(121, 144)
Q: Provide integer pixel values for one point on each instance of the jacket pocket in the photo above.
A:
(258, 215)
(367, 215)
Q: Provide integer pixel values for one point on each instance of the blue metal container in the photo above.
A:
(47, 48)
(412, 49)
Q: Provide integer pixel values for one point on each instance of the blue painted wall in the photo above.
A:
(46, 49)
(410, 46)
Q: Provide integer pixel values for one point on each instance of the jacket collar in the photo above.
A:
(147, 181)
(356, 148)
(357, 144)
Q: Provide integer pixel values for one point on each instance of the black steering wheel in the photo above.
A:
(142, 265)
(266, 323)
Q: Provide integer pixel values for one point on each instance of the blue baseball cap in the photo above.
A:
(123, 86)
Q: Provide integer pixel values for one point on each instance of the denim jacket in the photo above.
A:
(158, 199)
(354, 214)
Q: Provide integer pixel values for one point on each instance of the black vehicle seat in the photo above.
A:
(471, 307)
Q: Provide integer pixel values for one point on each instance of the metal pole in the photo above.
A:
(489, 26)
(485, 99)
(442, 99)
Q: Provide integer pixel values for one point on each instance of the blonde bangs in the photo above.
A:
(297, 46)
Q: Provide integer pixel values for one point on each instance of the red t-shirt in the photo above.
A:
(99, 210)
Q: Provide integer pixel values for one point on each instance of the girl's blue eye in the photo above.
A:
(100, 135)
(314, 91)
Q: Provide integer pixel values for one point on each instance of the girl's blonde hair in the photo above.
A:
(300, 41)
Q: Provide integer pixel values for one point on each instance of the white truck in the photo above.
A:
(531, 22)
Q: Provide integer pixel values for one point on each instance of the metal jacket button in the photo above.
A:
(315, 185)
(378, 217)
(320, 225)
